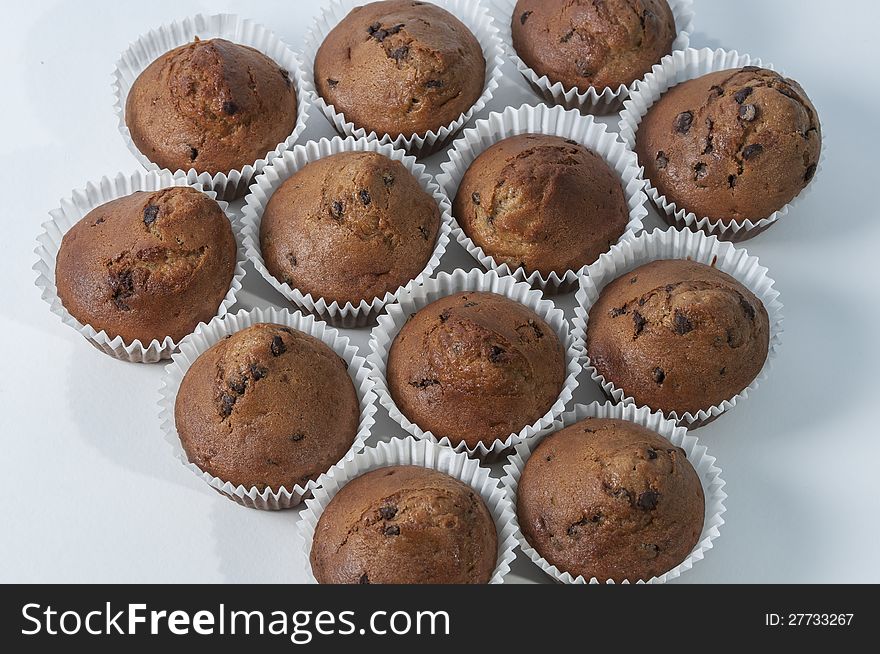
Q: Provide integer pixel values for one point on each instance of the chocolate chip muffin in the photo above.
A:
(400, 67)
(610, 499)
(349, 227)
(268, 406)
(405, 525)
(678, 335)
(731, 145)
(211, 105)
(599, 44)
(475, 367)
(147, 265)
(541, 203)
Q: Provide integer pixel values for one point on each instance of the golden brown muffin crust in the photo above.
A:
(610, 499)
(405, 525)
(731, 145)
(349, 227)
(475, 367)
(211, 105)
(147, 265)
(542, 203)
(678, 335)
(400, 67)
(268, 406)
(600, 43)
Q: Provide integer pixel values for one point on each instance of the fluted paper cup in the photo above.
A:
(147, 48)
(554, 121)
(274, 175)
(475, 17)
(697, 454)
(73, 208)
(409, 452)
(673, 70)
(446, 284)
(591, 100)
(679, 244)
(207, 335)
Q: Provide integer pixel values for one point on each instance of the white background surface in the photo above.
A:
(93, 492)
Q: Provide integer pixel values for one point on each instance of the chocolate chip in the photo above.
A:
(193, 153)
(258, 371)
(524, 17)
(496, 354)
(741, 95)
(364, 579)
(617, 312)
(752, 151)
(388, 512)
(387, 179)
(716, 91)
(297, 437)
(399, 53)
(662, 160)
(380, 34)
(747, 308)
(151, 212)
(97, 222)
(748, 112)
(681, 324)
(392, 530)
(811, 171)
(639, 322)
(277, 346)
(122, 287)
(722, 372)
(444, 315)
(238, 385)
(658, 375)
(286, 75)
(633, 280)
(332, 82)
(682, 123)
(475, 198)
(230, 108)
(648, 500)
(731, 181)
(434, 84)
(424, 232)
(292, 259)
(469, 304)
(652, 453)
(364, 195)
(337, 210)
(226, 404)
(424, 383)
(750, 69)
(700, 171)
(565, 38)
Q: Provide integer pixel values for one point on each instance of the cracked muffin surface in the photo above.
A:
(599, 43)
(736, 144)
(610, 499)
(400, 67)
(475, 367)
(405, 525)
(678, 335)
(267, 406)
(349, 227)
(147, 265)
(541, 203)
(211, 105)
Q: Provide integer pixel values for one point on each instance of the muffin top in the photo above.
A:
(268, 406)
(349, 227)
(405, 525)
(731, 145)
(678, 335)
(400, 67)
(599, 44)
(610, 499)
(475, 367)
(542, 203)
(211, 105)
(147, 265)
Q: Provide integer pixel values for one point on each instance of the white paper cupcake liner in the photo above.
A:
(591, 100)
(445, 284)
(671, 71)
(697, 454)
(473, 14)
(275, 174)
(679, 244)
(71, 211)
(406, 451)
(556, 121)
(152, 45)
(207, 335)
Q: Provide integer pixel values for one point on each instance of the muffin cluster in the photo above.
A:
(476, 366)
